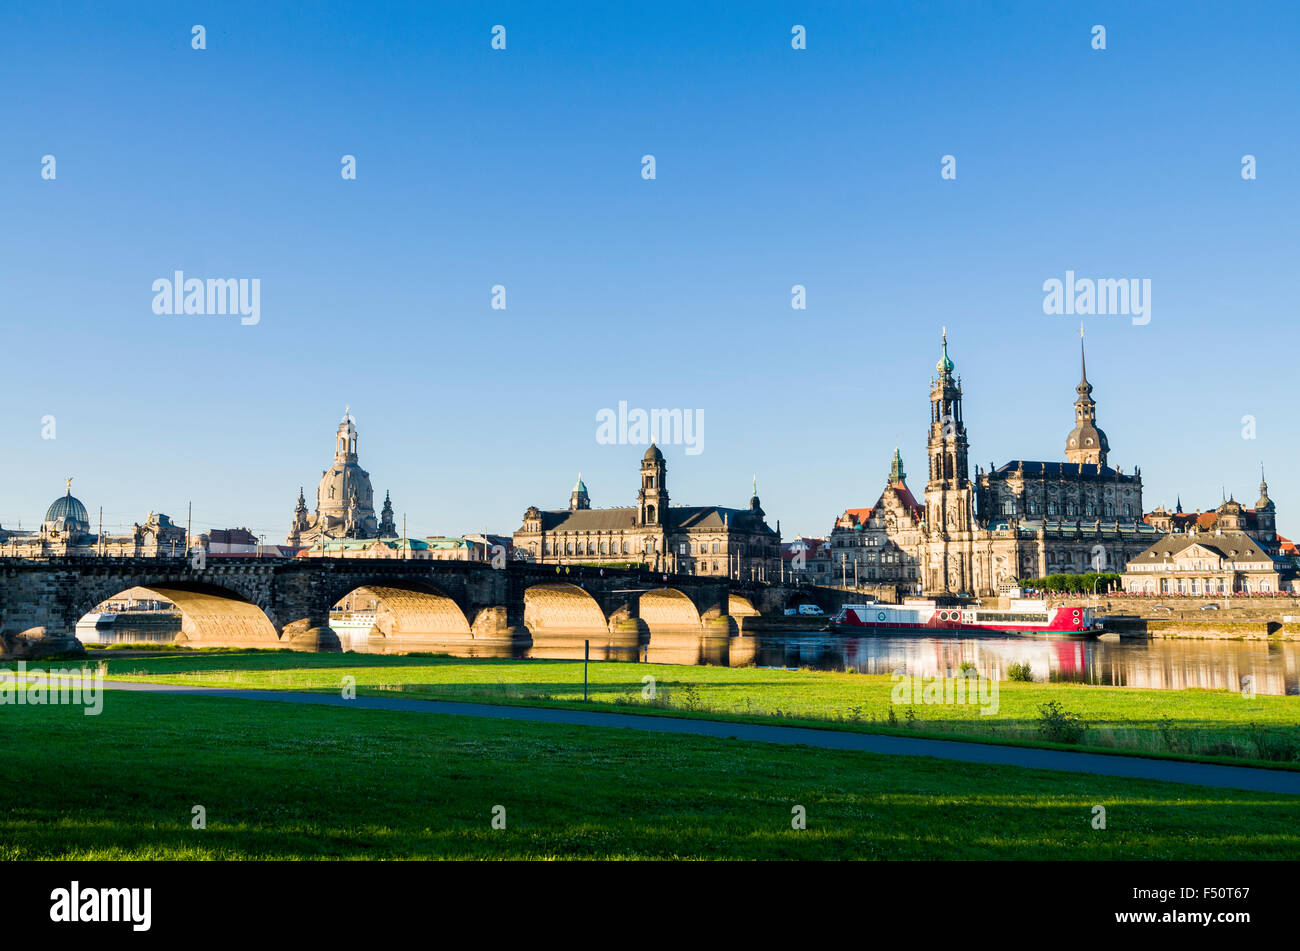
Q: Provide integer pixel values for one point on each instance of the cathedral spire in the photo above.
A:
(1083, 361)
(1086, 443)
(945, 364)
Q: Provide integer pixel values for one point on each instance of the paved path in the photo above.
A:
(1131, 767)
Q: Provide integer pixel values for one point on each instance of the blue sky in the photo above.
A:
(522, 168)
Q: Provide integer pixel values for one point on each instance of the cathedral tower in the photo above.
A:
(652, 498)
(1086, 443)
(949, 495)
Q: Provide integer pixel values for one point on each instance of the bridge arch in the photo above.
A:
(796, 598)
(669, 609)
(211, 615)
(391, 616)
(740, 606)
(562, 608)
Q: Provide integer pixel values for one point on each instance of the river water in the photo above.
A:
(1166, 664)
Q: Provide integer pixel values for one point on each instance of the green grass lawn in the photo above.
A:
(283, 781)
(1209, 725)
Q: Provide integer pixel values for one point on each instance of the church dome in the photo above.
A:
(653, 454)
(67, 514)
(1086, 436)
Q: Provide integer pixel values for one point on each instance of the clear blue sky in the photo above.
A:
(522, 168)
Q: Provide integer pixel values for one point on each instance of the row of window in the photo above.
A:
(1009, 507)
(613, 547)
(1196, 586)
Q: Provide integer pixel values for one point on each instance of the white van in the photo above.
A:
(811, 610)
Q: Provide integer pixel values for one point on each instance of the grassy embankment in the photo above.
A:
(1208, 725)
(286, 781)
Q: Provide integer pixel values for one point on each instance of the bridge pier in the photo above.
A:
(308, 634)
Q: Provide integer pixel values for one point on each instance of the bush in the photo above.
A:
(1270, 745)
(1022, 673)
(1058, 726)
(1172, 737)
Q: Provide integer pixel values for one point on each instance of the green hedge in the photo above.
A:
(1074, 584)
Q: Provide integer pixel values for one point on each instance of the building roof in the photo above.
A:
(905, 496)
(677, 518)
(1232, 546)
(811, 547)
(1063, 470)
(857, 516)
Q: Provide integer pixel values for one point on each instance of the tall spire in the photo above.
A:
(1084, 389)
(1083, 357)
(896, 473)
(1086, 444)
(945, 364)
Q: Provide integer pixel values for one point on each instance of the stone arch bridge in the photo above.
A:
(425, 605)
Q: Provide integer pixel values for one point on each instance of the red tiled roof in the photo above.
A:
(905, 494)
(858, 515)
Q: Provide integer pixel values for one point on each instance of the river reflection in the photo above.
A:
(1163, 664)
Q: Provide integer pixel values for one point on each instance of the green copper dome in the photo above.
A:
(945, 365)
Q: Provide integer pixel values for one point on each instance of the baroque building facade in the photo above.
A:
(1207, 564)
(1023, 519)
(345, 506)
(701, 540)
